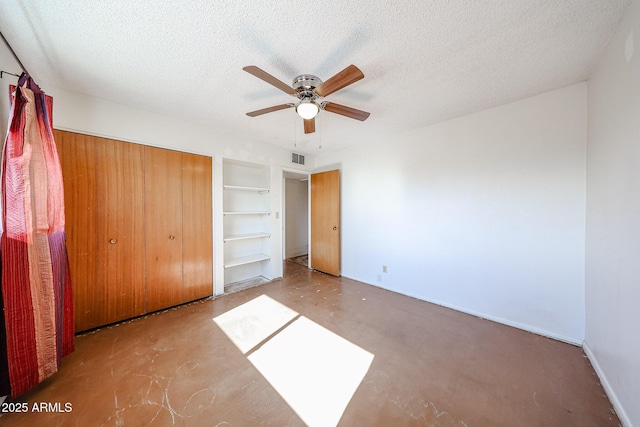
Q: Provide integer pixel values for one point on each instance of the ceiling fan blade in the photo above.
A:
(269, 110)
(263, 75)
(349, 75)
(345, 111)
(310, 125)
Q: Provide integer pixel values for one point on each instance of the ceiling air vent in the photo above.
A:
(297, 158)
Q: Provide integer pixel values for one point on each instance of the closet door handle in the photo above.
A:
(172, 237)
(112, 241)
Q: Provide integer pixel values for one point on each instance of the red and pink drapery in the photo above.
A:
(37, 322)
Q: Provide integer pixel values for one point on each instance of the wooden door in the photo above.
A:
(325, 222)
(163, 227)
(197, 226)
(77, 158)
(103, 184)
(120, 228)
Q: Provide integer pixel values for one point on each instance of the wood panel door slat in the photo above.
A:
(163, 228)
(120, 227)
(77, 158)
(197, 227)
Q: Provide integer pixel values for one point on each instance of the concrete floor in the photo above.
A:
(431, 366)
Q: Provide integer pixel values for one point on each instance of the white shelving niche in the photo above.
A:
(246, 213)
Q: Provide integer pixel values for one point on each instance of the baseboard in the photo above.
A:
(622, 415)
(558, 337)
(517, 325)
(613, 398)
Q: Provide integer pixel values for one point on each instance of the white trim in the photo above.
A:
(524, 327)
(613, 398)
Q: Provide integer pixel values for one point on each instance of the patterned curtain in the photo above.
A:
(36, 330)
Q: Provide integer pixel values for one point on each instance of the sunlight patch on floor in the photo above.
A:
(251, 323)
(315, 370)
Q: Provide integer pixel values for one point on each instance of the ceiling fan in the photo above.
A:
(308, 89)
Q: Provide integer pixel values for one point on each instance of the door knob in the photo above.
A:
(172, 237)
(112, 241)
(335, 228)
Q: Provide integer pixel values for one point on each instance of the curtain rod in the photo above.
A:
(7, 72)
(14, 54)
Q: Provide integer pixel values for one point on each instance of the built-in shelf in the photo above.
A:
(242, 188)
(246, 236)
(247, 222)
(246, 213)
(247, 259)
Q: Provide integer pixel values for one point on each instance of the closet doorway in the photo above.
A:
(295, 228)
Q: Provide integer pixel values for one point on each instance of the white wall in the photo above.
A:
(613, 219)
(80, 113)
(297, 217)
(7, 63)
(483, 213)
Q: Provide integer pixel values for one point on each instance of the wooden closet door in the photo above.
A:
(163, 227)
(77, 158)
(197, 227)
(120, 227)
(104, 213)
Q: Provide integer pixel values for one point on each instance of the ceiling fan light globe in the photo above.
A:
(307, 110)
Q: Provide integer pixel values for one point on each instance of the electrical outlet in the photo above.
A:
(379, 277)
(384, 268)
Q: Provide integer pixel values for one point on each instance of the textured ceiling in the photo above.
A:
(424, 61)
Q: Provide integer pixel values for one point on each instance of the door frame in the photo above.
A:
(287, 173)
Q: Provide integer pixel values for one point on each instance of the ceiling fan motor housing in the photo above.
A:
(305, 84)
